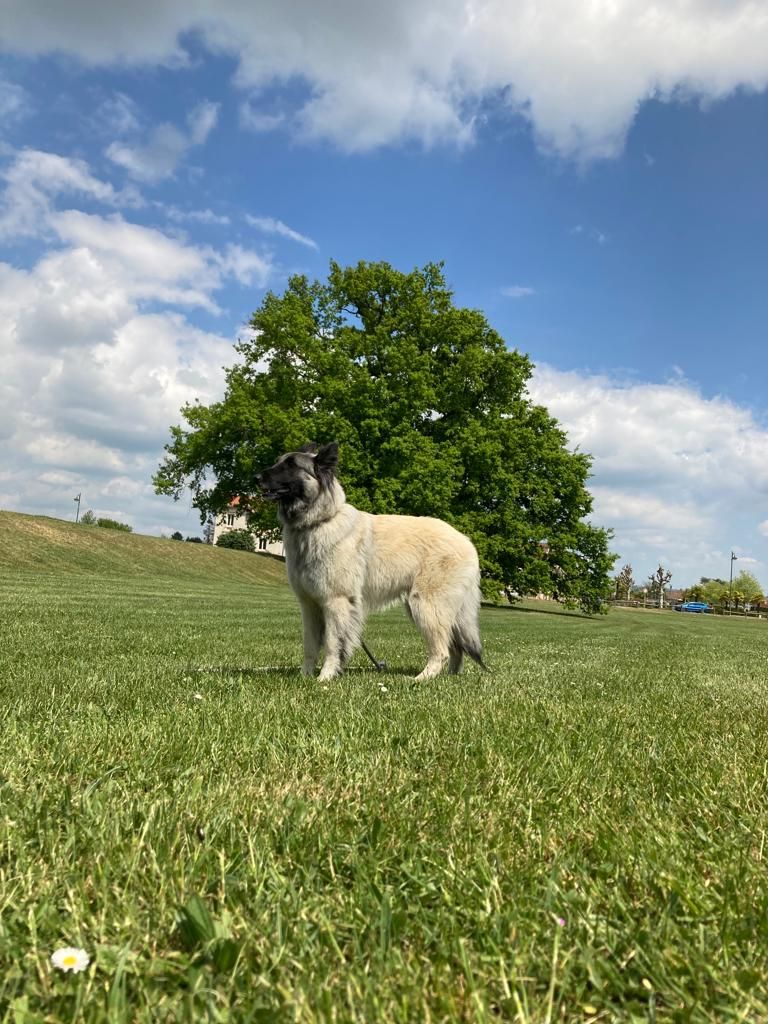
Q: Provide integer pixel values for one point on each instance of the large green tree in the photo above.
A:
(430, 408)
(746, 589)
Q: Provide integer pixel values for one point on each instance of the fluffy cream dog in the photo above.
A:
(343, 563)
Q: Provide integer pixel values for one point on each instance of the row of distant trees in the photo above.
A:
(745, 590)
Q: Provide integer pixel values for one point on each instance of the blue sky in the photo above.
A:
(594, 180)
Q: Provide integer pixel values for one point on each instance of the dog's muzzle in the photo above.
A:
(269, 491)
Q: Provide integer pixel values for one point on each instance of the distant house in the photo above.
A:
(235, 519)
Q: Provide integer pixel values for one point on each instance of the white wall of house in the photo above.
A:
(233, 519)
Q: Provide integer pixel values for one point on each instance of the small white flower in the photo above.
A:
(197, 696)
(70, 959)
(382, 688)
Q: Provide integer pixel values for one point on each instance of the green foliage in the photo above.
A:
(431, 411)
(237, 540)
(113, 524)
(624, 582)
(194, 540)
(88, 518)
(748, 589)
(714, 591)
(177, 535)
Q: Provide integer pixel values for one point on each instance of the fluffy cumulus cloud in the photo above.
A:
(378, 73)
(98, 354)
(32, 180)
(681, 478)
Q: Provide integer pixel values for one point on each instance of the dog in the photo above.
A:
(344, 563)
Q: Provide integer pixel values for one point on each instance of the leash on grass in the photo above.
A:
(381, 666)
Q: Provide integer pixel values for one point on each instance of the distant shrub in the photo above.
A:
(112, 524)
(177, 536)
(88, 518)
(194, 540)
(238, 540)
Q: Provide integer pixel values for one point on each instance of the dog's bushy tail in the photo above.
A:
(465, 633)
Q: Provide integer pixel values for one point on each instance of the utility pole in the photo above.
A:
(730, 585)
(77, 502)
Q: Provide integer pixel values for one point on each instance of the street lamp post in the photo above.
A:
(645, 595)
(77, 502)
(730, 585)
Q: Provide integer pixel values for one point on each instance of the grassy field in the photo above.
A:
(577, 835)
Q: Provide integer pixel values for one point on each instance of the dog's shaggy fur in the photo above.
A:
(343, 563)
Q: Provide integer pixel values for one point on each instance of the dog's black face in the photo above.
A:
(297, 478)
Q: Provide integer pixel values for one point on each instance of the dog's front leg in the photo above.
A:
(343, 630)
(312, 619)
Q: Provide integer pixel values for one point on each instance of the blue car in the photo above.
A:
(692, 606)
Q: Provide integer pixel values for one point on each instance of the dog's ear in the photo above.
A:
(310, 448)
(326, 460)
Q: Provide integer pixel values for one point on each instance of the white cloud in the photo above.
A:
(118, 115)
(271, 226)
(763, 527)
(109, 263)
(518, 291)
(66, 451)
(592, 233)
(259, 120)
(166, 146)
(34, 178)
(246, 266)
(201, 121)
(375, 74)
(118, 262)
(196, 216)
(14, 102)
(94, 413)
(97, 355)
(676, 474)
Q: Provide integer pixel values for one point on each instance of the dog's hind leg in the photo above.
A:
(312, 619)
(455, 660)
(343, 633)
(436, 633)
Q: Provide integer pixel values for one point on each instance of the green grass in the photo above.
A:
(231, 842)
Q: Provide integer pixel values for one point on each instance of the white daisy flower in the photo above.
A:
(70, 959)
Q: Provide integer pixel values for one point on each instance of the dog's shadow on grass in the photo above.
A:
(248, 671)
(292, 672)
(563, 613)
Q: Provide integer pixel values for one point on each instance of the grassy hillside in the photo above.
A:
(41, 544)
